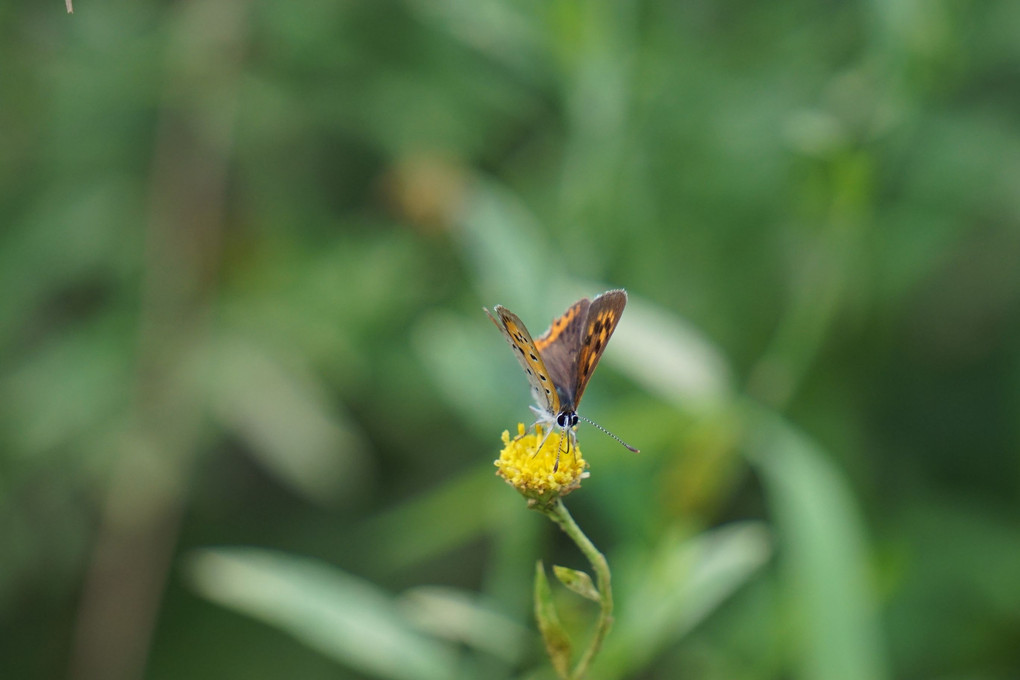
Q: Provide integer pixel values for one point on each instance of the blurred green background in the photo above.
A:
(249, 401)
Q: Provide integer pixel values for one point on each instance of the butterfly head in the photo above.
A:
(567, 419)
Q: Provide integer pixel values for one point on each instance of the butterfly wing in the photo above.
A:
(600, 322)
(542, 385)
(559, 347)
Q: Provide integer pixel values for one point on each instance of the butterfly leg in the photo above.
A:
(530, 429)
(543, 419)
(559, 450)
(548, 431)
(567, 434)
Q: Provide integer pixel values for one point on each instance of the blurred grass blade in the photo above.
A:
(824, 555)
(495, 228)
(499, 30)
(343, 617)
(406, 535)
(455, 350)
(685, 581)
(285, 419)
(577, 581)
(670, 357)
(556, 641)
(464, 617)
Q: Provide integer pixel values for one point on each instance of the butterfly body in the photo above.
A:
(561, 361)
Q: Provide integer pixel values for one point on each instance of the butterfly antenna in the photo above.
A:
(596, 425)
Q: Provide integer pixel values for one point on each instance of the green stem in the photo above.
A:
(558, 513)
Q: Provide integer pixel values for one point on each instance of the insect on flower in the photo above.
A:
(561, 361)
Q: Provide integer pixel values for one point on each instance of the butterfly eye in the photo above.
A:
(561, 420)
(573, 420)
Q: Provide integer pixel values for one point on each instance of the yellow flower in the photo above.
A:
(532, 472)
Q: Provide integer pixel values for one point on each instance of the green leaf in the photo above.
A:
(467, 618)
(678, 586)
(284, 416)
(338, 614)
(824, 554)
(455, 349)
(578, 581)
(494, 222)
(556, 641)
(402, 537)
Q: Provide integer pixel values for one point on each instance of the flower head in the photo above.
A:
(537, 474)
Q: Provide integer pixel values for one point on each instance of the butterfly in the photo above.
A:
(561, 361)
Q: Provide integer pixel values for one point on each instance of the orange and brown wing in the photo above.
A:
(559, 347)
(542, 386)
(602, 318)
